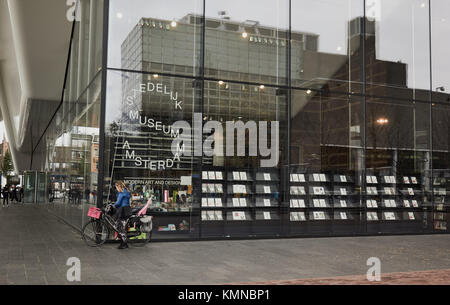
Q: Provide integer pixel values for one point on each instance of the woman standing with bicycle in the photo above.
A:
(123, 211)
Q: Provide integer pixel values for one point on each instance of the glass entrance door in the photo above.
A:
(29, 187)
(41, 192)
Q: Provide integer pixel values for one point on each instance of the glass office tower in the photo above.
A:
(258, 118)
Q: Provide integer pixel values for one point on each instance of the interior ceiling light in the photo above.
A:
(382, 121)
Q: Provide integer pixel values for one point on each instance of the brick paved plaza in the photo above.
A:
(35, 246)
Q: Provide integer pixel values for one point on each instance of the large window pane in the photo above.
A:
(247, 40)
(326, 44)
(160, 36)
(397, 45)
(326, 163)
(141, 110)
(397, 153)
(326, 120)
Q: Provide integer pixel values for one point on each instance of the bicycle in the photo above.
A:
(98, 230)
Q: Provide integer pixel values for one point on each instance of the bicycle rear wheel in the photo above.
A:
(95, 233)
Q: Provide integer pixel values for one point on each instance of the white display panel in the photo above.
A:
(239, 215)
(218, 202)
(211, 202)
(219, 215)
(319, 215)
(242, 202)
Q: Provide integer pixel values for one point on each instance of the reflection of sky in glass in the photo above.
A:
(402, 26)
(2, 130)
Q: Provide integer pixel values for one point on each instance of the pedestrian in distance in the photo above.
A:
(5, 193)
(13, 193)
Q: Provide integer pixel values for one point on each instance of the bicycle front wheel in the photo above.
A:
(95, 233)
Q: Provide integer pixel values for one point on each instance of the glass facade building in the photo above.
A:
(257, 118)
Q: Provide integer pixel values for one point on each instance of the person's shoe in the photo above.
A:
(123, 245)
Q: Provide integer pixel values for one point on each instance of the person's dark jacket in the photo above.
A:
(5, 192)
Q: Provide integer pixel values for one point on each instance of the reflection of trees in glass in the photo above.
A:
(7, 165)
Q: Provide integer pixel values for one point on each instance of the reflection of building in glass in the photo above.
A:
(325, 121)
(245, 77)
(76, 154)
(155, 45)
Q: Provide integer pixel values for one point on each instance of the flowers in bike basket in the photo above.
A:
(94, 212)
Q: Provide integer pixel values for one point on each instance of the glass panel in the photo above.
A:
(141, 111)
(326, 145)
(41, 193)
(251, 197)
(30, 187)
(326, 163)
(397, 45)
(398, 114)
(441, 163)
(247, 41)
(326, 45)
(398, 155)
(73, 133)
(153, 36)
(72, 155)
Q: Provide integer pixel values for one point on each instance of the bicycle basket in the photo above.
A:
(94, 212)
(146, 219)
(146, 228)
(146, 224)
